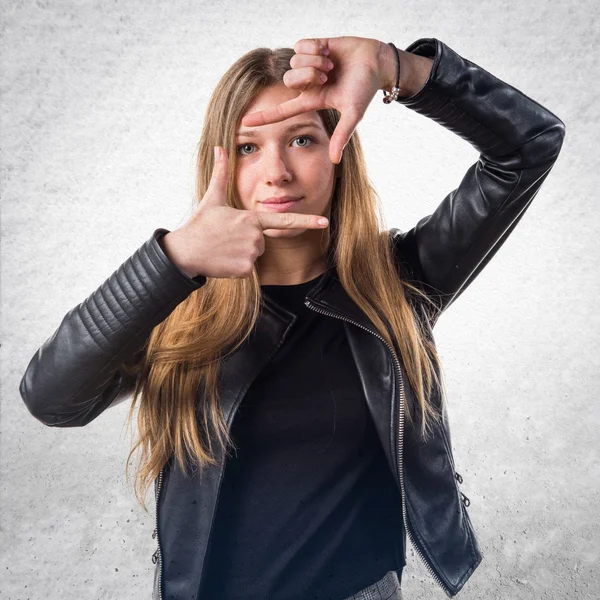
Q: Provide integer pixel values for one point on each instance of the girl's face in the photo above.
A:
(289, 158)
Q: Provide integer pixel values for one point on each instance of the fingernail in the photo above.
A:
(325, 51)
(217, 153)
(322, 221)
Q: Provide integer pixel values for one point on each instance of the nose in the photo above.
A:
(276, 165)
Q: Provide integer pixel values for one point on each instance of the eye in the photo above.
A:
(304, 137)
(300, 137)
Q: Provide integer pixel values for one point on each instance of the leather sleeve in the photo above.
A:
(518, 140)
(77, 373)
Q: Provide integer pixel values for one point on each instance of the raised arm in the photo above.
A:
(518, 140)
(77, 373)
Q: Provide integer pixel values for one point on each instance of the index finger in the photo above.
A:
(311, 46)
(288, 220)
(282, 111)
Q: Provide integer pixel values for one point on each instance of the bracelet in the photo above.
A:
(387, 96)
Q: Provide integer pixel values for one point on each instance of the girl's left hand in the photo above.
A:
(351, 84)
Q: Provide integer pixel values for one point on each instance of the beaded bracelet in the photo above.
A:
(387, 96)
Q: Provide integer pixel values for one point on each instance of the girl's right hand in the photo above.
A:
(221, 241)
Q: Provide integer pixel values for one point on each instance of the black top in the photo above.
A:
(308, 507)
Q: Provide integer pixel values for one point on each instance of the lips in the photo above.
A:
(281, 199)
(279, 205)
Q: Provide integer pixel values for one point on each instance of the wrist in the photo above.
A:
(387, 62)
(169, 245)
(414, 70)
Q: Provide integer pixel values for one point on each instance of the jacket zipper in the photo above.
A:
(400, 437)
(157, 554)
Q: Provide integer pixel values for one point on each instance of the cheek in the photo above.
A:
(243, 189)
(323, 178)
(321, 170)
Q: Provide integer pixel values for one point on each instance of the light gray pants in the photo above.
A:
(387, 588)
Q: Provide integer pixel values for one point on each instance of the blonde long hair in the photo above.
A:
(176, 376)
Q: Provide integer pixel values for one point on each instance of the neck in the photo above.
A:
(291, 261)
(293, 276)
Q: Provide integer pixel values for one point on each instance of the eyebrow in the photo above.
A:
(290, 128)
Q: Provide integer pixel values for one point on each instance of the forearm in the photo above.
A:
(78, 372)
(518, 141)
(414, 70)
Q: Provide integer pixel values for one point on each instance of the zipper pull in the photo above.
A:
(458, 477)
(465, 500)
(155, 556)
(154, 534)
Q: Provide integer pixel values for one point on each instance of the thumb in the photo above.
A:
(216, 194)
(341, 135)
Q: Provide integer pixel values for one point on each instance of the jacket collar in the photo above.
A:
(327, 294)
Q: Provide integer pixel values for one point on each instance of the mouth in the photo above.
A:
(281, 206)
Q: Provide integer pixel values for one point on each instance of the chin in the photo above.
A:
(284, 233)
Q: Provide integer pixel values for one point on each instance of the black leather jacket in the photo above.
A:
(76, 375)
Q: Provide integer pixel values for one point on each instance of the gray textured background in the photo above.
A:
(102, 106)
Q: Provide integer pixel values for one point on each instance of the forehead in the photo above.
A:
(274, 96)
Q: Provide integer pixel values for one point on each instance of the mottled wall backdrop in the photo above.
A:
(102, 106)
